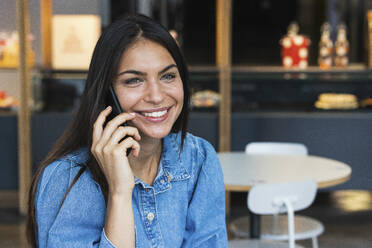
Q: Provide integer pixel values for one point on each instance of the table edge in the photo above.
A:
(321, 185)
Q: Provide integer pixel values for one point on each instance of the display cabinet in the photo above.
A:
(258, 103)
(268, 88)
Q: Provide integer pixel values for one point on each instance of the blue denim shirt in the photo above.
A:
(185, 206)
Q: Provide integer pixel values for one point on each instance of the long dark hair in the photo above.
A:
(102, 71)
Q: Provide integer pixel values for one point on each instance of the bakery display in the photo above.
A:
(336, 101)
(9, 50)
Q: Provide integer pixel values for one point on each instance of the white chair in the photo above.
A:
(278, 198)
(280, 148)
(274, 227)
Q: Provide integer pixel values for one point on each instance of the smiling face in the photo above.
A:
(148, 83)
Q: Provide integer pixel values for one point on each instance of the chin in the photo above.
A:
(157, 134)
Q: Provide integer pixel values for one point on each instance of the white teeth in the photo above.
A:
(155, 114)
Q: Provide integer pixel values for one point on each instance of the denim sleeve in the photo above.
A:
(79, 222)
(206, 224)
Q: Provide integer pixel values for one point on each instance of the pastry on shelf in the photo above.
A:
(205, 99)
(7, 101)
(336, 101)
(366, 103)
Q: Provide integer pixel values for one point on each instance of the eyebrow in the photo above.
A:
(143, 73)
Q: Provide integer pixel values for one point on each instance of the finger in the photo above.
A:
(121, 132)
(112, 125)
(129, 143)
(120, 119)
(98, 124)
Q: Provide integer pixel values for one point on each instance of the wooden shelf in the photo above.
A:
(198, 69)
(7, 112)
(354, 68)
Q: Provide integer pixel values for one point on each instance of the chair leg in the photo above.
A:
(315, 242)
(291, 224)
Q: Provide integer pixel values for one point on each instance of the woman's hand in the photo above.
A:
(111, 155)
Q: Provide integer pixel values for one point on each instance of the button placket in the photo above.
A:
(149, 214)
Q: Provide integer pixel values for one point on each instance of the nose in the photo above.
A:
(154, 92)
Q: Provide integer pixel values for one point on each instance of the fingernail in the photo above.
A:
(132, 113)
(108, 107)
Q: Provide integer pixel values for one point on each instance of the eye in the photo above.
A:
(132, 81)
(169, 76)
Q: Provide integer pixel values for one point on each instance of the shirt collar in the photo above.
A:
(79, 156)
(171, 166)
(172, 157)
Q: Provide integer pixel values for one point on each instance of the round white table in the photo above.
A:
(241, 171)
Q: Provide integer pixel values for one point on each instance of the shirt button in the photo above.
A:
(150, 217)
(169, 177)
(162, 181)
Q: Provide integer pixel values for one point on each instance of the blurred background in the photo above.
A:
(269, 100)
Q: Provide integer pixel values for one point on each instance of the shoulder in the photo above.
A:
(58, 175)
(64, 167)
(193, 145)
(201, 150)
(197, 153)
(83, 203)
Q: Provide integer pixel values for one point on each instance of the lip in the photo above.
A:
(155, 119)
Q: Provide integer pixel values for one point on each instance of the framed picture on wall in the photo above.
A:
(73, 40)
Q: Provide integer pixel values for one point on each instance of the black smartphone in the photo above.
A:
(113, 101)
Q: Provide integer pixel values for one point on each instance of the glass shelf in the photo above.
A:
(266, 88)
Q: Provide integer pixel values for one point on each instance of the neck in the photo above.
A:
(145, 166)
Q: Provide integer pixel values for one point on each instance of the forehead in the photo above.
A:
(145, 55)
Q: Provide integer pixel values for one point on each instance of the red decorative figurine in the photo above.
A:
(295, 48)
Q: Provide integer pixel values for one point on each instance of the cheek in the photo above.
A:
(127, 99)
(179, 95)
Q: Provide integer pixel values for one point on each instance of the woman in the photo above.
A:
(147, 184)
